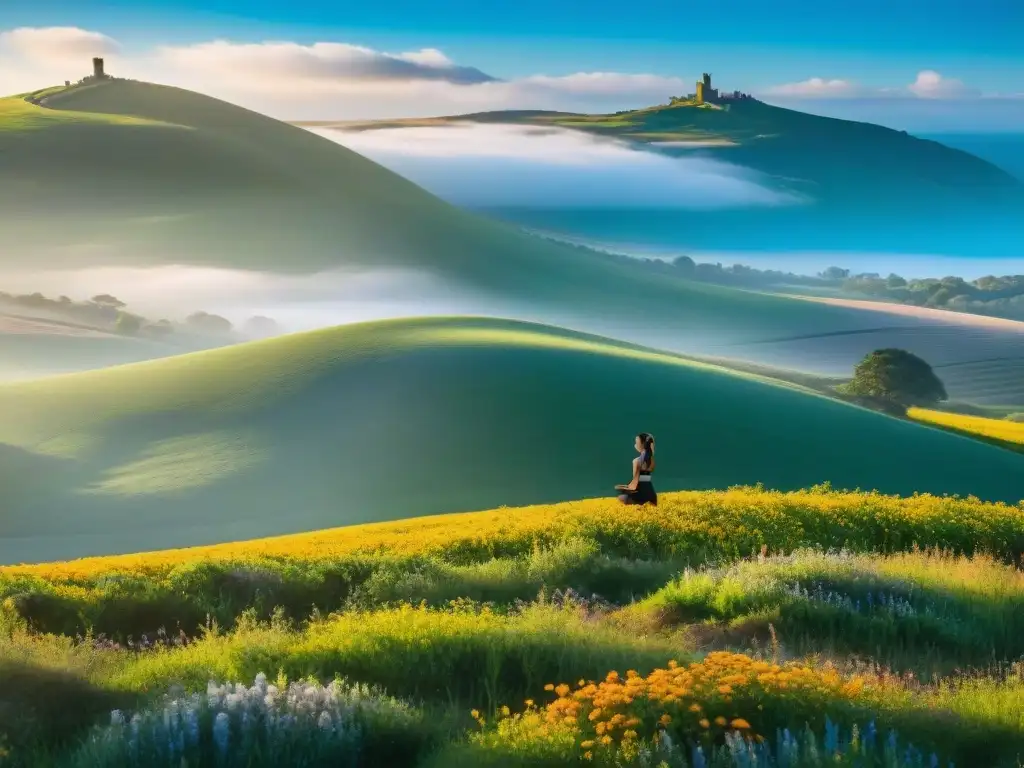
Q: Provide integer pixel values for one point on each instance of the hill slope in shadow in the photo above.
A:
(389, 420)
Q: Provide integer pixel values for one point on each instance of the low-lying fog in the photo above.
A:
(299, 303)
(511, 165)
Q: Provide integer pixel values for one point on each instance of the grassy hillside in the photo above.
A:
(395, 419)
(826, 157)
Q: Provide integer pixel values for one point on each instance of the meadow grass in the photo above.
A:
(443, 614)
(460, 656)
(927, 613)
(728, 709)
(17, 114)
(469, 657)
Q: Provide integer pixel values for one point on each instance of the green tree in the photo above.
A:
(896, 379)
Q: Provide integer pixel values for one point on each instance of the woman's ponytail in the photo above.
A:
(647, 441)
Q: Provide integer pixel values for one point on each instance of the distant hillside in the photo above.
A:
(389, 420)
(826, 158)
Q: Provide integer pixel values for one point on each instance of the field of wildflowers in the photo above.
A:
(741, 628)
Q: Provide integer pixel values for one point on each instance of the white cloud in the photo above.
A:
(336, 80)
(928, 84)
(271, 65)
(57, 44)
(817, 88)
(931, 85)
(323, 80)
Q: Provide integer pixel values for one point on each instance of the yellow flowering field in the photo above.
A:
(997, 429)
(736, 522)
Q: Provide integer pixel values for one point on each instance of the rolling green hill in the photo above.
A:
(140, 174)
(136, 174)
(388, 420)
(827, 158)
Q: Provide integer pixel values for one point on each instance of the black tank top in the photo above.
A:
(645, 462)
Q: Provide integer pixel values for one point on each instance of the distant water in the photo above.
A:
(611, 194)
(1003, 149)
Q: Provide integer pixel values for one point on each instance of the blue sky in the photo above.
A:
(978, 45)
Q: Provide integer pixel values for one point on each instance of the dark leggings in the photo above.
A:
(627, 498)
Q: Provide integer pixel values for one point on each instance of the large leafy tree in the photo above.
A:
(898, 378)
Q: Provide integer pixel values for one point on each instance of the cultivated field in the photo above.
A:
(1000, 431)
(708, 631)
(978, 364)
(378, 421)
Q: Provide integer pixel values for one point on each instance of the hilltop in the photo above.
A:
(402, 418)
(825, 158)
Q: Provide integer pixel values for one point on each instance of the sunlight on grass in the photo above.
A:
(181, 463)
(16, 114)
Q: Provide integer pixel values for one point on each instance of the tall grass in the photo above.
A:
(444, 614)
(930, 612)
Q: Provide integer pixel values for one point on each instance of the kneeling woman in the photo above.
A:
(640, 490)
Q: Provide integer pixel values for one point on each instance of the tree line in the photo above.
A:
(995, 296)
(106, 312)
